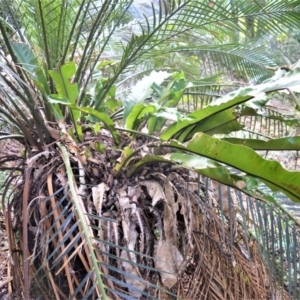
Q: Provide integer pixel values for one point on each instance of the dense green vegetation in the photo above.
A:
(133, 128)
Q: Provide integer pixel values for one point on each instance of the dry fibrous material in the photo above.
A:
(152, 229)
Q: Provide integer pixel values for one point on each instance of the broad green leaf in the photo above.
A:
(208, 168)
(202, 165)
(112, 104)
(108, 122)
(67, 90)
(98, 94)
(230, 100)
(221, 123)
(142, 90)
(126, 154)
(137, 114)
(58, 99)
(288, 144)
(188, 123)
(172, 93)
(248, 111)
(158, 89)
(62, 80)
(257, 102)
(29, 62)
(246, 160)
(168, 97)
(159, 117)
(169, 113)
(55, 100)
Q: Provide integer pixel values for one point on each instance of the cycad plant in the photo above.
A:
(108, 199)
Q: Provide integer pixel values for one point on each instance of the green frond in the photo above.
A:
(131, 212)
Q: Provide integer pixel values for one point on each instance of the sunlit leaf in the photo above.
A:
(245, 160)
(289, 143)
(230, 100)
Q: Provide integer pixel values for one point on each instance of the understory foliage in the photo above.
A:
(136, 174)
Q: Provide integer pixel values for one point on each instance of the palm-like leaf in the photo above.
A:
(108, 252)
(96, 24)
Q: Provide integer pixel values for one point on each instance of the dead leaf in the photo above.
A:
(137, 282)
(124, 200)
(155, 191)
(130, 235)
(99, 196)
(168, 260)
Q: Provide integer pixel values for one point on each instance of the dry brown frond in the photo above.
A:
(153, 226)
